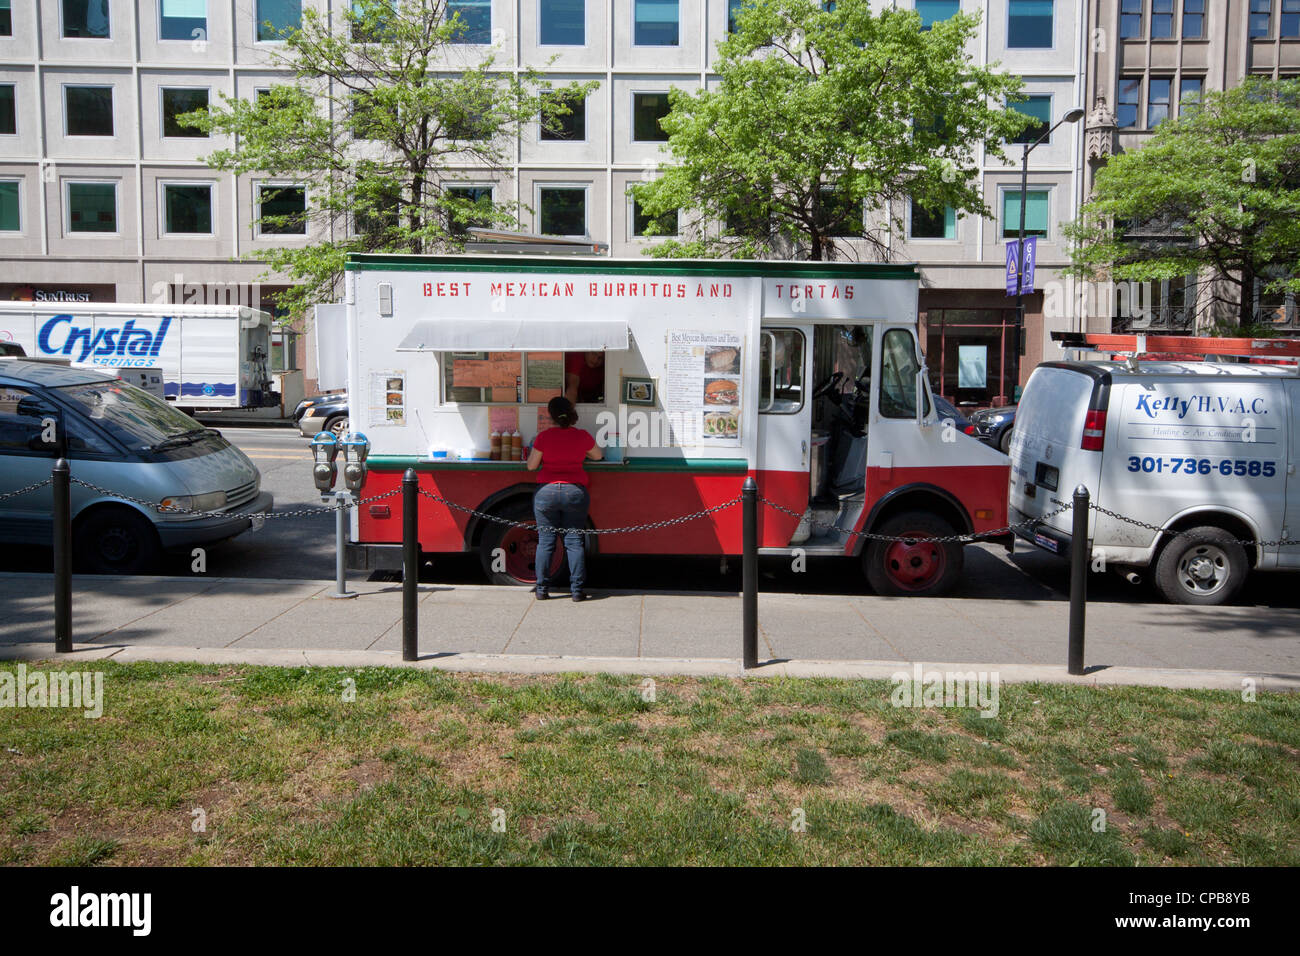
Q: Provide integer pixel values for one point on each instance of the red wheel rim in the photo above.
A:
(916, 565)
(520, 546)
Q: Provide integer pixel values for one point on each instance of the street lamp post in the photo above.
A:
(1073, 116)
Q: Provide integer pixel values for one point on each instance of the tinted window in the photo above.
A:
(130, 415)
(563, 23)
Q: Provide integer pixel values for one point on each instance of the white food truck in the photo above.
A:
(207, 356)
(692, 375)
(1201, 455)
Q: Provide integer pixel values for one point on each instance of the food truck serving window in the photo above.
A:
(513, 378)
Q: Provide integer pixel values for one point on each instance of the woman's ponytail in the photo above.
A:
(562, 411)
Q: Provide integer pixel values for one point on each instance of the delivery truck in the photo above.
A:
(692, 375)
(207, 357)
(1193, 461)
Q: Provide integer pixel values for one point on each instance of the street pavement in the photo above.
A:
(478, 627)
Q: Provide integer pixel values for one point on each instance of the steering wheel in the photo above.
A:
(862, 384)
(830, 384)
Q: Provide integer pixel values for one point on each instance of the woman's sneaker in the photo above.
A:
(580, 595)
(542, 594)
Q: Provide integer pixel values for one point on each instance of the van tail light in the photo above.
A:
(1094, 430)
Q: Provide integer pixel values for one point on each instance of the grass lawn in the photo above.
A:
(582, 770)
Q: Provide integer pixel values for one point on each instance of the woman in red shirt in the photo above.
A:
(562, 499)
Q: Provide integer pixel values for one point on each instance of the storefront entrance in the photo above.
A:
(972, 355)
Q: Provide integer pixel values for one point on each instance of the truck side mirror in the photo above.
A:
(920, 395)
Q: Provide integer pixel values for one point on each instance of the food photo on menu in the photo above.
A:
(722, 358)
(721, 391)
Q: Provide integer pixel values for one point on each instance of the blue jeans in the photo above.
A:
(561, 505)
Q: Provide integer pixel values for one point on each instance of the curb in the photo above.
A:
(1098, 676)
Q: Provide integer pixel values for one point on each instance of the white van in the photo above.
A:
(1200, 451)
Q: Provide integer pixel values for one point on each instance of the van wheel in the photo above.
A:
(1202, 566)
(116, 541)
(922, 567)
(507, 553)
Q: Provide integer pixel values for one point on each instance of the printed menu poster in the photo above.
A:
(387, 398)
(703, 386)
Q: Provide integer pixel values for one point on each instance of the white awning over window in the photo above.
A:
(516, 335)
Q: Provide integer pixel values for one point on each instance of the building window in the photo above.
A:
(1158, 101)
(85, 19)
(563, 23)
(645, 226)
(88, 110)
(733, 9)
(276, 19)
(178, 101)
(1288, 25)
(92, 207)
(935, 11)
(1261, 11)
(1036, 208)
(563, 210)
(839, 214)
(480, 196)
(1162, 19)
(10, 218)
(183, 20)
(1189, 94)
(6, 19)
(475, 20)
(377, 216)
(655, 23)
(939, 224)
(1193, 19)
(369, 22)
(569, 127)
(1029, 24)
(8, 114)
(368, 120)
(187, 209)
(647, 110)
(281, 210)
(1126, 104)
(1038, 107)
(1130, 19)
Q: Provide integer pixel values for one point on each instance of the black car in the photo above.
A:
(993, 426)
(946, 409)
(322, 413)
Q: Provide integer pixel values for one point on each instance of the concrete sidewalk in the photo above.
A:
(504, 629)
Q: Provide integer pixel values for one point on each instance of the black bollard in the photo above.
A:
(61, 483)
(410, 566)
(1079, 558)
(749, 504)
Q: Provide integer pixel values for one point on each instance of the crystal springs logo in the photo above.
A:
(122, 346)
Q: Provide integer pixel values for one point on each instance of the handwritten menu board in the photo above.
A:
(500, 370)
(545, 376)
(504, 420)
(703, 386)
(386, 398)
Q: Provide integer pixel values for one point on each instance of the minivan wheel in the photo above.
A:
(1004, 443)
(921, 567)
(116, 541)
(338, 425)
(1201, 566)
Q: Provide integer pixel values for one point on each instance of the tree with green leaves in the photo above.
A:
(381, 106)
(1213, 195)
(824, 120)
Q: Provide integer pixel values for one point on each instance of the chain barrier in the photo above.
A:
(169, 510)
(650, 526)
(946, 539)
(23, 491)
(1027, 525)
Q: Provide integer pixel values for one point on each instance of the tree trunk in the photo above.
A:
(417, 203)
(816, 253)
(1246, 304)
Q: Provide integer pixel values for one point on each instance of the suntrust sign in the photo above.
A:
(123, 345)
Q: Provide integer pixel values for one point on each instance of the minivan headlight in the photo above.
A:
(210, 502)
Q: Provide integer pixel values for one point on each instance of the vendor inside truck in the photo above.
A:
(584, 377)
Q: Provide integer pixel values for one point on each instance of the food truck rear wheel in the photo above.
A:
(920, 568)
(514, 564)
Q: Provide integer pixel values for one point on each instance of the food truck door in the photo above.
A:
(785, 450)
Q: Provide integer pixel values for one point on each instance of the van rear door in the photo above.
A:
(1057, 444)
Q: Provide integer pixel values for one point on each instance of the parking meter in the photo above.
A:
(355, 449)
(324, 448)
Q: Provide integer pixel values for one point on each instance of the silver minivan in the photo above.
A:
(129, 443)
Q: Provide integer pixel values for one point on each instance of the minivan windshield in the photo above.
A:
(131, 415)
